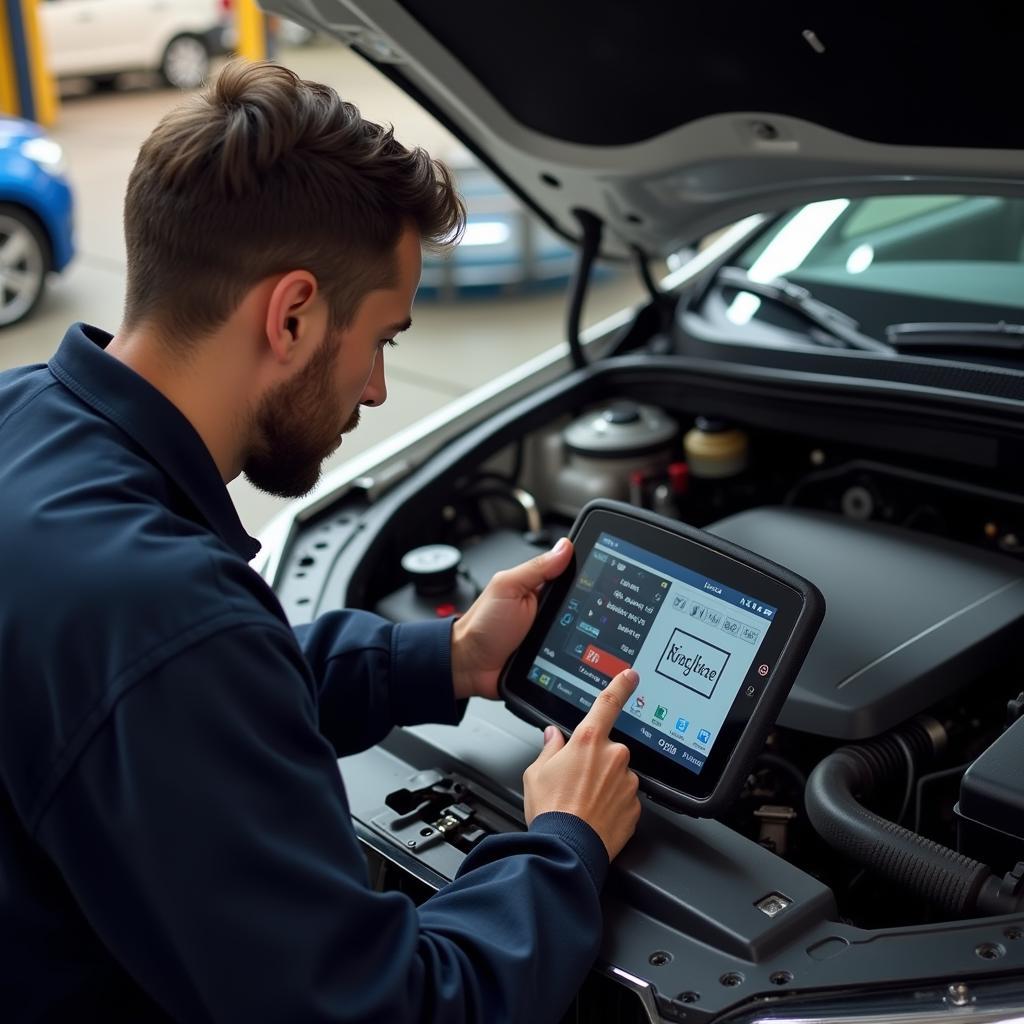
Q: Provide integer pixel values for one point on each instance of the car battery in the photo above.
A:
(990, 812)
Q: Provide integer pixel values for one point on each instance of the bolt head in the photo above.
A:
(959, 994)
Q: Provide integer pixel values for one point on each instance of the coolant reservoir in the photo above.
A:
(715, 449)
(605, 446)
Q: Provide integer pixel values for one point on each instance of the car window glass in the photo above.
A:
(881, 211)
(893, 259)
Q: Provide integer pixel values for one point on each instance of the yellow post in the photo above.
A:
(252, 30)
(26, 86)
(9, 103)
(44, 87)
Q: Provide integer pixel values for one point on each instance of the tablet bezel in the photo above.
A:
(800, 608)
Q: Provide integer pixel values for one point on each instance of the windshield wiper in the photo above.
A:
(832, 321)
(952, 337)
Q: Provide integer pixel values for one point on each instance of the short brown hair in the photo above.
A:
(262, 173)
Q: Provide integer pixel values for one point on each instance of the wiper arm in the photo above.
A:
(829, 319)
(952, 337)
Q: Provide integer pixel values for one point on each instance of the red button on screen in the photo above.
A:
(603, 661)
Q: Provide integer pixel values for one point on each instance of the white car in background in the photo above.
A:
(100, 39)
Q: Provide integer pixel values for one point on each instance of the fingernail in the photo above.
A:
(549, 733)
(560, 546)
(632, 677)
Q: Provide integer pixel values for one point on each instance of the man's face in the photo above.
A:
(300, 422)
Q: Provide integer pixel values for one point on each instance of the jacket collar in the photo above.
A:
(152, 421)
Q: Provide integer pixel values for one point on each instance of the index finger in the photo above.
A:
(608, 704)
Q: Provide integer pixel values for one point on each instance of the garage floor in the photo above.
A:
(453, 346)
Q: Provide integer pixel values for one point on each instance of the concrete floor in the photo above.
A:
(452, 348)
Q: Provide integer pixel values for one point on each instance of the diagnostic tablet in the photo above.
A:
(716, 633)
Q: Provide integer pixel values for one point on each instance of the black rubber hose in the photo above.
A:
(948, 880)
(590, 243)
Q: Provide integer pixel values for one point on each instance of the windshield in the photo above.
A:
(884, 260)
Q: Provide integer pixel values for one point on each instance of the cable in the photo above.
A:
(928, 780)
(644, 267)
(663, 304)
(590, 243)
(780, 764)
(909, 791)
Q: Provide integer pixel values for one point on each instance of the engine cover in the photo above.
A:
(910, 618)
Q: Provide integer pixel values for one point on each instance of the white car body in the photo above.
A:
(104, 37)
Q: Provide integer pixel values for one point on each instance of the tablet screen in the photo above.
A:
(692, 639)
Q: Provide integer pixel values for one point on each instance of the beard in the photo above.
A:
(295, 428)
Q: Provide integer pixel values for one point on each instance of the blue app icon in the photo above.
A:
(703, 736)
(566, 618)
(682, 724)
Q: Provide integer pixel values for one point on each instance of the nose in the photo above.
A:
(376, 391)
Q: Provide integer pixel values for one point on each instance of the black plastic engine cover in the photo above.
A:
(910, 618)
(990, 814)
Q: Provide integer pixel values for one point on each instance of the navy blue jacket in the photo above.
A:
(175, 839)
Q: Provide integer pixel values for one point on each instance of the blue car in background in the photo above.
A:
(35, 216)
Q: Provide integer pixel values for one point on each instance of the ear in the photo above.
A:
(289, 309)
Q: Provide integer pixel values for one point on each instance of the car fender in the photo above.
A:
(46, 196)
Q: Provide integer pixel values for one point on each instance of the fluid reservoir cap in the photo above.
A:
(710, 425)
(433, 568)
(620, 429)
(622, 412)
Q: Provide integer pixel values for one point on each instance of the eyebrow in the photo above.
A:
(402, 325)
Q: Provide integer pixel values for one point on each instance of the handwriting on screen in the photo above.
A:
(693, 662)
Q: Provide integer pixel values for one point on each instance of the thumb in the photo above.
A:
(553, 743)
(533, 574)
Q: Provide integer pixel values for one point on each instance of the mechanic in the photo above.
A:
(175, 840)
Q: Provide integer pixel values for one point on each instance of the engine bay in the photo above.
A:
(915, 535)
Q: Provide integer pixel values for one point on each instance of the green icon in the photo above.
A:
(545, 680)
(661, 713)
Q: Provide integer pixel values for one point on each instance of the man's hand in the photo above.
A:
(499, 619)
(589, 776)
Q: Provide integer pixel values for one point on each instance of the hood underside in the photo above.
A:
(669, 120)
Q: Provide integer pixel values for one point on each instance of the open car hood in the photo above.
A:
(670, 120)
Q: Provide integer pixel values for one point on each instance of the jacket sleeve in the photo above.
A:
(371, 674)
(205, 834)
